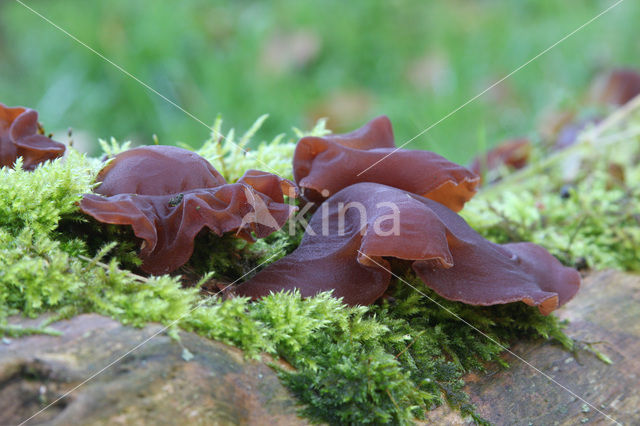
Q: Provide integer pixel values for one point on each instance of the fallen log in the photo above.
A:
(196, 381)
(158, 382)
(606, 315)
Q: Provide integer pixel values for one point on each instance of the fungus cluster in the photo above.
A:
(449, 256)
(22, 136)
(324, 165)
(169, 194)
(377, 202)
(404, 208)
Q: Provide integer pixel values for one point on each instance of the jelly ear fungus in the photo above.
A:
(169, 194)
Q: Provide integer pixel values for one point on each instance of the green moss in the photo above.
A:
(387, 363)
(232, 157)
(37, 200)
(572, 204)
(37, 275)
(380, 364)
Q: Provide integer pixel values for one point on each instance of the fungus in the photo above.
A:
(613, 88)
(348, 239)
(324, 165)
(22, 136)
(168, 195)
(511, 153)
(616, 87)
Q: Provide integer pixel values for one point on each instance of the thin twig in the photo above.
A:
(410, 344)
(616, 117)
(107, 267)
(585, 140)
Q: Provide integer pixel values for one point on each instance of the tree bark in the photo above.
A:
(156, 384)
(606, 310)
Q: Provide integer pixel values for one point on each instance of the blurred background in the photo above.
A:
(300, 60)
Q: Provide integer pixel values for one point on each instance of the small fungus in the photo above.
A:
(616, 87)
(22, 136)
(349, 237)
(613, 88)
(324, 165)
(169, 194)
(512, 153)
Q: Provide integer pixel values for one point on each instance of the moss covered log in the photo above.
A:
(388, 363)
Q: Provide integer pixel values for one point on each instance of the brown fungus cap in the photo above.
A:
(379, 221)
(20, 136)
(323, 166)
(617, 87)
(485, 273)
(513, 153)
(168, 195)
(157, 170)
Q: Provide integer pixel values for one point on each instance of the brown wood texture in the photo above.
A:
(156, 385)
(606, 310)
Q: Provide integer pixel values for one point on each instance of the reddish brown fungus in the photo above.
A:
(451, 258)
(512, 153)
(21, 136)
(613, 88)
(324, 165)
(168, 195)
(616, 87)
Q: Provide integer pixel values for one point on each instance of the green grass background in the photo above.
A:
(209, 57)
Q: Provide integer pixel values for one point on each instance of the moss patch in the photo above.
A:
(581, 204)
